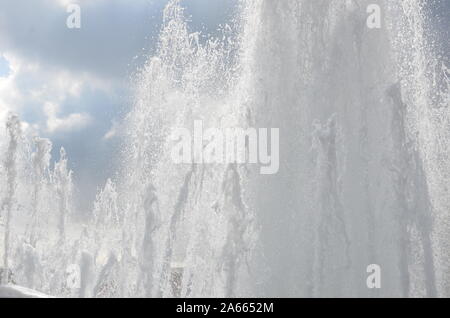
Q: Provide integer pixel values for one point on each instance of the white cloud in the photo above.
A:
(30, 88)
(10, 95)
(71, 122)
(113, 131)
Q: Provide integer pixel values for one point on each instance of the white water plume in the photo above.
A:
(363, 179)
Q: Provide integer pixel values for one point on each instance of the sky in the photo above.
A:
(72, 85)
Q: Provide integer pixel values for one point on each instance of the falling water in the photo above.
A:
(13, 127)
(360, 181)
(364, 166)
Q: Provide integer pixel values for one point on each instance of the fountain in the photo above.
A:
(364, 162)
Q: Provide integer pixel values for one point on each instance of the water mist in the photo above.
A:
(363, 119)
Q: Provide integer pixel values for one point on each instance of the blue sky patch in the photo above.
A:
(4, 67)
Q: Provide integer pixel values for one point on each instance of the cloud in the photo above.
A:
(112, 33)
(69, 123)
(113, 131)
(47, 97)
(10, 95)
(71, 85)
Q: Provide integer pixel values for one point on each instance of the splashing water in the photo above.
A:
(363, 179)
